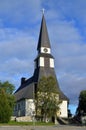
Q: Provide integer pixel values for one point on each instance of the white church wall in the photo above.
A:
(63, 109)
(30, 107)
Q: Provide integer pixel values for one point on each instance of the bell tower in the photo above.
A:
(44, 62)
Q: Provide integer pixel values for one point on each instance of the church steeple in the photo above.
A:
(43, 41)
(44, 62)
(44, 58)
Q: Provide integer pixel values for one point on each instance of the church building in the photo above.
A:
(44, 66)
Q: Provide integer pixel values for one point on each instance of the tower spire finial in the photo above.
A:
(43, 10)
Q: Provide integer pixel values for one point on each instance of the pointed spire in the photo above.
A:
(43, 36)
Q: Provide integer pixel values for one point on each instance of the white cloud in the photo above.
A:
(72, 84)
(16, 53)
(19, 12)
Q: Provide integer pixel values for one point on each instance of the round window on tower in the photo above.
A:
(45, 50)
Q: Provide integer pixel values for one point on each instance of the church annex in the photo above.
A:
(44, 66)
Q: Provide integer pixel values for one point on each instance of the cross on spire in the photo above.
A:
(43, 10)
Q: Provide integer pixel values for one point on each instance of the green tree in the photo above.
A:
(6, 101)
(82, 103)
(47, 99)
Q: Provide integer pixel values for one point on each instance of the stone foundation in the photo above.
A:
(22, 119)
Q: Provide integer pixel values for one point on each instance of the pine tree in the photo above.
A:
(82, 103)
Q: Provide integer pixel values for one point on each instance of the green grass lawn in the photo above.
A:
(28, 123)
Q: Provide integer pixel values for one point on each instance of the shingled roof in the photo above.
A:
(43, 36)
(25, 91)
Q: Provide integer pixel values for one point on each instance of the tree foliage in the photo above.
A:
(6, 101)
(82, 103)
(47, 99)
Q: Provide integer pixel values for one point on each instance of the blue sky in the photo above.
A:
(19, 30)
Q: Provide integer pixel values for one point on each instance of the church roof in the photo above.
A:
(25, 91)
(43, 36)
(26, 83)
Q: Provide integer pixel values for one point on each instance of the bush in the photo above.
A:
(6, 101)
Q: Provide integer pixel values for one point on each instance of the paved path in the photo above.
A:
(59, 127)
